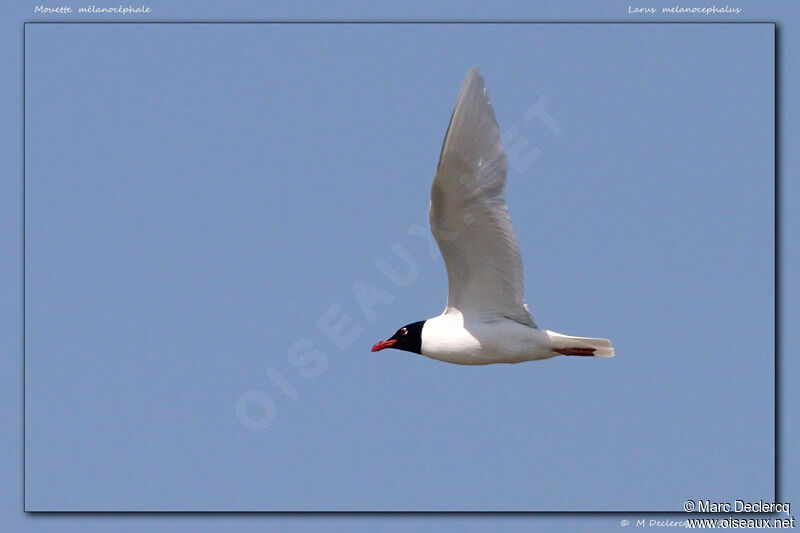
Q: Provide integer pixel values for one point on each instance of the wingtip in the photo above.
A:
(473, 83)
(474, 72)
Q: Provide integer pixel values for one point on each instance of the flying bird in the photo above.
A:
(486, 319)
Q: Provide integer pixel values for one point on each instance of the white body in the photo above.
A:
(448, 338)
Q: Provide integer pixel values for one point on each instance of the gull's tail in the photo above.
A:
(585, 346)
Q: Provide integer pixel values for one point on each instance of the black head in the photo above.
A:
(408, 338)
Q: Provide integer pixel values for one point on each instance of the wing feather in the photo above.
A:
(468, 213)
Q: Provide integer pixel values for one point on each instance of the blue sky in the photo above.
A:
(203, 202)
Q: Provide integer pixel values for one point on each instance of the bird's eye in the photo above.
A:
(403, 331)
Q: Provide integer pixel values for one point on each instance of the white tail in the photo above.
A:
(586, 346)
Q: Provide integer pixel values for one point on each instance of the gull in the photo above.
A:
(486, 319)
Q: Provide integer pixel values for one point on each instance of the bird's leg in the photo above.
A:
(575, 351)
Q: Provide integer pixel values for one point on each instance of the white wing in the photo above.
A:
(469, 216)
